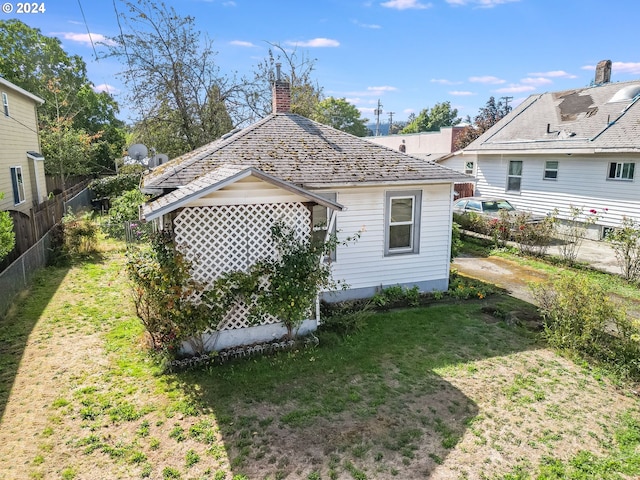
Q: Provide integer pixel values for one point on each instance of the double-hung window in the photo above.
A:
(514, 179)
(5, 104)
(18, 185)
(621, 170)
(402, 222)
(550, 170)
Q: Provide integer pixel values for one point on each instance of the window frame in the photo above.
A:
(467, 170)
(416, 222)
(5, 104)
(17, 182)
(619, 170)
(547, 169)
(323, 228)
(513, 176)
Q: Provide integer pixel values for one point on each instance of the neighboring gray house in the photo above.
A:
(221, 199)
(575, 148)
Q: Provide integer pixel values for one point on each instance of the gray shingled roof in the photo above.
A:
(583, 118)
(303, 152)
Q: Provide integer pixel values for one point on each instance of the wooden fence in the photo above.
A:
(29, 229)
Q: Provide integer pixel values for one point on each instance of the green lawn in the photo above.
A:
(444, 391)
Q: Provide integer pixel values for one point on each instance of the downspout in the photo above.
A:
(332, 223)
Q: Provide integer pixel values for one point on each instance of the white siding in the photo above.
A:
(582, 182)
(363, 264)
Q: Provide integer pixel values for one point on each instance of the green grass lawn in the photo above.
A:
(444, 391)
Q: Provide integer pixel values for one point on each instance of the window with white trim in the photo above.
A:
(320, 216)
(18, 185)
(551, 170)
(621, 170)
(402, 222)
(468, 168)
(5, 104)
(514, 178)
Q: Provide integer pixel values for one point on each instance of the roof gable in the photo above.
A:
(599, 117)
(218, 179)
(303, 152)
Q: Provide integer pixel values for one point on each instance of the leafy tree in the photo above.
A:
(431, 120)
(487, 117)
(7, 235)
(39, 64)
(297, 69)
(67, 150)
(174, 82)
(340, 114)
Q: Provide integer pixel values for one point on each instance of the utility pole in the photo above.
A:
(506, 103)
(390, 122)
(378, 112)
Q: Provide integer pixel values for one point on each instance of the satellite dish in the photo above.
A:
(162, 158)
(138, 152)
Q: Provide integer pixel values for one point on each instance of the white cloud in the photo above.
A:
(515, 88)
(105, 87)
(480, 3)
(553, 74)
(406, 5)
(444, 81)
(487, 79)
(408, 111)
(372, 26)
(85, 38)
(461, 93)
(241, 43)
(536, 81)
(315, 43)
(631, 68)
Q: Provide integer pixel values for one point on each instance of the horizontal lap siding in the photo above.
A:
(363, 264)
(17, 136)
(581, 182)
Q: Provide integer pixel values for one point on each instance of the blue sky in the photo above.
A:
(409, 54)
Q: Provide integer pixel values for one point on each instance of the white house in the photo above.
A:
(570, 148)
(221, 199)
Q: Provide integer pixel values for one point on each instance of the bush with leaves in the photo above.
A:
(165, 295)
(80, 234)
(580, 316)
(124, 208)
(573, 229)
(7, 235)
(532, 238)
(625, 241)
(114, 186)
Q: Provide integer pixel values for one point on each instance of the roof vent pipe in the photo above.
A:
(548, 128)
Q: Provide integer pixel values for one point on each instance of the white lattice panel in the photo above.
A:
(220, 239)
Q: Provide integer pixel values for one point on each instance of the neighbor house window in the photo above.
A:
(320, 216)
(5, 104)
(468, 168)
(402, 222)
(18, 185)
(550, 170)
(515, 176)
(621, 171)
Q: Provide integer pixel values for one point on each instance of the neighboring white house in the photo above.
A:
(221, 199)
(575, 148)
(434, 147)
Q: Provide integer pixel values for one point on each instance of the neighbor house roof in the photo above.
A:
(302, 152)
(16, 88)
(598, 118)
(216, 179)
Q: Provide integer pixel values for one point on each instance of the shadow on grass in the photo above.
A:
(23, 315)
(373, 405)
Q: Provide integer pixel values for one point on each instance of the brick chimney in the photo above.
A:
(281, 96)
(603, 72)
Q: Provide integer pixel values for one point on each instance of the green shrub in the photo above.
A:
(345, 318)
(396, 294)
(625, 241)
(111, 187)
(80, 234)
(580, 316)
(124, 208)
(7, 236)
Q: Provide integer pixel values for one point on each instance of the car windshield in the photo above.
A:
(495, 205)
